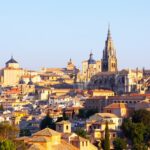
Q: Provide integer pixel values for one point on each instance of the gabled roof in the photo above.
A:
(104, 115)
(39, 139)
(64, 122)
(117, 105)
(36, 146)
(79, 138)
(64, 146)
(107, 115)
(46, 132)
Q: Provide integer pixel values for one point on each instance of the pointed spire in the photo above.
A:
(91, 60)
(70, 60)
(12, 57)
(109, 54)
(91, 55)
(109, 34)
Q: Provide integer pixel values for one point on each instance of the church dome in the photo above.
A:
(12, 63)
(12, 60)
(30, 82)
(91, 60)
(21, 81)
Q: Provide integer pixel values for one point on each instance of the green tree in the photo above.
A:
(139, 146)
(8, 131)
(141, 115)
(91, 112)
(137, 133)
(65, 116)
(7, 145)
(119, 144)
(20, 145)
(126, 127)
(81, 132)
(25, 132)
(83, 113)
(106, 140)
(147, 136)
(47, 122)
(134, 132)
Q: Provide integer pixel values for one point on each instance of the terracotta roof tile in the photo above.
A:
(46, 132)
(117, 105)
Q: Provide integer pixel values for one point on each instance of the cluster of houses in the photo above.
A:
(27, 96)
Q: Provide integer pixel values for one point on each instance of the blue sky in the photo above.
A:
(47, 33)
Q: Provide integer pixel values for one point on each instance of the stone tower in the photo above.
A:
(109, 60)
(63, 126)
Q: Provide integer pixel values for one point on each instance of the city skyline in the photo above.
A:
(30, 30)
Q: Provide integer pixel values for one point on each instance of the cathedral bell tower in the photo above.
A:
(109, 60)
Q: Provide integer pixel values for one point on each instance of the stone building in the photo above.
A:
(46, 139)
(11, 74)
(109, 60)
(108, 63)
(90, 67)
(119, 109)
(99, 103)
(63, 126)
(124, 81)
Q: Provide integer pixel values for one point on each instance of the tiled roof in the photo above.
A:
(46, 132)
(64, 146)
(117, 105)
(36, 146)
(39, 139)
(79, 138)
(107, 115)
(36, 141)
(63, 122)
(22, 138)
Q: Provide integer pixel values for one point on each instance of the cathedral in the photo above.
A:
(104, 73)
(109, 60)
(108, 63)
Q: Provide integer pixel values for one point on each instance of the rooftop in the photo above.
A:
(46, 132)
(107, 115)
(117, 105)
(64, 122)
(12, 60)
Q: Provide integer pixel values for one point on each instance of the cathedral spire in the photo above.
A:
(109, 59)
(109, 33)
